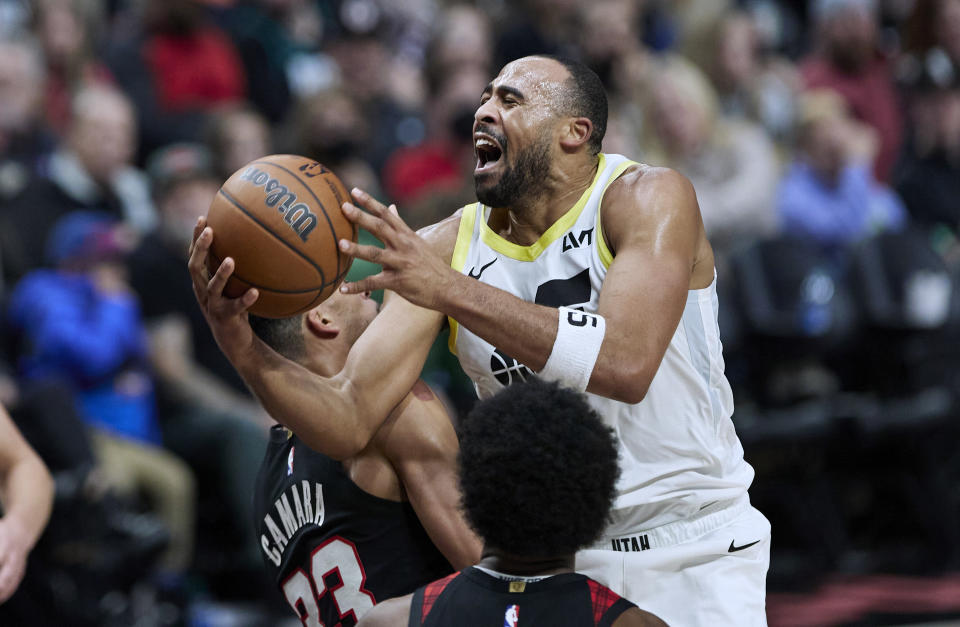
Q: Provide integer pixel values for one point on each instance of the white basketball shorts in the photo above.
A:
(710, 570)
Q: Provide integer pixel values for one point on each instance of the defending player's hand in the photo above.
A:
(227, 317)
(410, 267)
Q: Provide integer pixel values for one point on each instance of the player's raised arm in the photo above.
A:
(421, 444)
(652, 223)
(380, 369)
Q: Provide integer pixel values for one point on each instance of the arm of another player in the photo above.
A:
(652, 222)
(339, 415)
(635, 617)
(391, 613)
(422, 446)
(26, 490)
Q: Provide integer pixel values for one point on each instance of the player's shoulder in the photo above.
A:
(646, 196)
(642, 180)
(419, 427)
(442, 236)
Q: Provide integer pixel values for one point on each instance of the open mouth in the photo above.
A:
(488, 152)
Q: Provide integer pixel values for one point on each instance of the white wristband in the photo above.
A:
(575, 351)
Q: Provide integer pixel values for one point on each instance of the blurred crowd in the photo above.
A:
(822, 137)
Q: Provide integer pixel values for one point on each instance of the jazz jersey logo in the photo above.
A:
(511, 617)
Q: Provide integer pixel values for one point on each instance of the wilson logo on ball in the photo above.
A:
(296, 214)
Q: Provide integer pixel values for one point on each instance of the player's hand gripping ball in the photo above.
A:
(279, 218)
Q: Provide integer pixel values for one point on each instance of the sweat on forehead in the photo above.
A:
(541, 70)
(533, 76)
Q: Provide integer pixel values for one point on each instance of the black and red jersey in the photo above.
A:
(473, 598)
(333, 549)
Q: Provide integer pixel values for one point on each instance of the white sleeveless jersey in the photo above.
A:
(678, 448)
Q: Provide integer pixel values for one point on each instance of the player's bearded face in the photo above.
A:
(511, 183)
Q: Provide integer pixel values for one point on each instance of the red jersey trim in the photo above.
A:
(602, 599)
(432, 592)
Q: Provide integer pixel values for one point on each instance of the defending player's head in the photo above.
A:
(538, 470)
(320, 338)
(537, 109)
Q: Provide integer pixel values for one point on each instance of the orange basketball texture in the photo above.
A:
(279, 218)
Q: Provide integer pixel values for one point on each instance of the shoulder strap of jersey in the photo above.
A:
(607, 604)
(468, 219)
(606, 257)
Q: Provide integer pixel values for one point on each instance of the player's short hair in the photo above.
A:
(538, 470)
(284, 335)
(584, 96)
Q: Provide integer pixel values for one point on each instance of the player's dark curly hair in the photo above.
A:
(538, 470)
(284, 335)
(584, 97)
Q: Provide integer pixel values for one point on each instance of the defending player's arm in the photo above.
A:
(635, 617)
(651, 222)
(26, 491)
(421, 444)
(380, 370)
(390, 613)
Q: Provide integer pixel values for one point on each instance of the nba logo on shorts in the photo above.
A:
(290, 461)
(512, 616)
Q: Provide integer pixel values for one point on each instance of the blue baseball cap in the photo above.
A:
(83, 236)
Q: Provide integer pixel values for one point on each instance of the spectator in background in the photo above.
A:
(829, 193)
(331, 128)
(235, 137)
(462, 40)
(696, 22)
(847, 60)
(948, 28)
(24, 141)
(391, 107)
(440, 167)
(177, 69)
(26, 493)
(66, 29)
(96, 541)
(732, 164)
(184, 184)
(751, 85)
(92, 170)
(933, 24)
(80, 323)
(436, 172)
(207, 417)
(928, 176)
(610, 38)
(609, 34)
(538, 27)
(262, 32)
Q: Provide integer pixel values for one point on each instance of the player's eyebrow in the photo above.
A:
(504, 90)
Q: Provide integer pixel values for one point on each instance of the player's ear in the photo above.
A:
(575, 133)
(322, 325)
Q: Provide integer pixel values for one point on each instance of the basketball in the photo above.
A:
(279, 218)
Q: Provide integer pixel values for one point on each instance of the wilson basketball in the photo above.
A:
(279, 218)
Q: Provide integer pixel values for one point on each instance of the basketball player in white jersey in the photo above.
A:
(589, 269)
